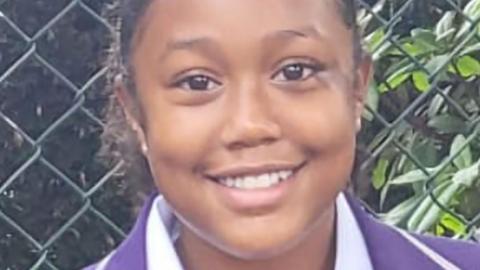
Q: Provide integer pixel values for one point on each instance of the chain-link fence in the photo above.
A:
(60, 208)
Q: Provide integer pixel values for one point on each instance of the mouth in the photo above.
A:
(255, 177)
(256, 189)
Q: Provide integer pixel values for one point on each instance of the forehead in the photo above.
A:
(254, 7)
(243, 14)
(241, 20)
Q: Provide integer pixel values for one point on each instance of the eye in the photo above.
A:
(296, 72)
(197, 83)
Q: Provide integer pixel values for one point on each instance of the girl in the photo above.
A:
(246, 112)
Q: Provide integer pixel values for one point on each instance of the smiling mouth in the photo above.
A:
(257, 180)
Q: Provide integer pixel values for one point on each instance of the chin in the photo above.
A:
(260, 245)
(260, 251)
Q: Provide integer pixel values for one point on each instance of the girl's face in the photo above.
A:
(235, 97)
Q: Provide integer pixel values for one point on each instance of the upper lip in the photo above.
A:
(253, 169)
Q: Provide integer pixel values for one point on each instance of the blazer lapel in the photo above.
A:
(386, 247)
(131, 254)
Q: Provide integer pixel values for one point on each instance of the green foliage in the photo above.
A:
(435, 66)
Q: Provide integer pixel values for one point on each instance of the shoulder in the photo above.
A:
(393, 248)
(462, 253)
(429, 251)
(452, 254)
(102, 265)
(456, 247)
(131, 253)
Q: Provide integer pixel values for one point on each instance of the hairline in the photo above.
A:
(137, 25)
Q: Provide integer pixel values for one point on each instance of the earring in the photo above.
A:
(358, 123)
(144, 148)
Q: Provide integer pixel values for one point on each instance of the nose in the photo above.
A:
(249, 122)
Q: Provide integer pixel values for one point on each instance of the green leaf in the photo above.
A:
(447, 124)
(383, 49)
(426, 152)
(373, 98)
(394, 82)
(379, 172)
(421, 81)
(464, 29)
(378, 140)
(364, 18)
(436, 63)
(413, 176)
(472, 10)
(402, 66)
(424, 39)
(467, 177)
(400, 212)
(437, 103)
(453, 224)
(374, 40)
(397, 78)
(445, 37)
(432, 212)
(468, 66)
(439, 230)
(464, 159)
(419, 213)
(471, 49)
(413, 49)
(444, 27)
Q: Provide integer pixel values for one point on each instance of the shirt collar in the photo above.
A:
(162, 231)
(161, 234)
(352, 252)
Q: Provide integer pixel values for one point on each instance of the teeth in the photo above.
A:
(230, 182)
(274, 178)
(249, 182)
(265, 180)
(285, 174)
(238, 183)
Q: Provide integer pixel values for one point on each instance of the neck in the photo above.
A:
(316, 251)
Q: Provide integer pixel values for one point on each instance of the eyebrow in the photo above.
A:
(286, 35)
(207, 45)
(202, 44)
(189, 43)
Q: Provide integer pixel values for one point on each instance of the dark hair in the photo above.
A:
(119, 141)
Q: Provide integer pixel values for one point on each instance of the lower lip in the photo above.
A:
(256, 199)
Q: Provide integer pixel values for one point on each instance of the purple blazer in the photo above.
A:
(389, 249)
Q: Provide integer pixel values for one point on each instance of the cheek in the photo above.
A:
(321, 121)
(180, 136)
(324, 126)
(179, 140)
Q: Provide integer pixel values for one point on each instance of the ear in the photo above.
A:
(364, 73)
(131, 111)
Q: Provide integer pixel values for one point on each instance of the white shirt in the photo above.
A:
(162, 231)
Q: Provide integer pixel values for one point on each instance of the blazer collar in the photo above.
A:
(386, 247)
(131, 254)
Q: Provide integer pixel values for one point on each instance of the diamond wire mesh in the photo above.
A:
(60, 208)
